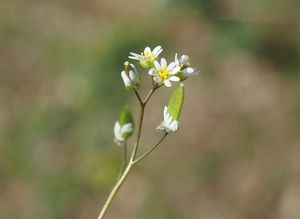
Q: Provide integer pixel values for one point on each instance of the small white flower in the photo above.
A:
(169, 124)
(121, 131)
(185, 69)
(163, 73)
(130, 76)
(147, 57)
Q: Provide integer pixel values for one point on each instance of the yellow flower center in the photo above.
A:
(164, 73)
(149, 56)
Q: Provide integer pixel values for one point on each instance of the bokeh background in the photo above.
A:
(237, 153)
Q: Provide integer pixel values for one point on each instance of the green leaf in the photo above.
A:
(176, 102)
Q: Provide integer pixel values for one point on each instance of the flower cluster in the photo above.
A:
(162, 73)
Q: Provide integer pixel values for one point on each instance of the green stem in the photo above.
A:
(150, 150)
(124, 159)
(124, 175)
(115, 190)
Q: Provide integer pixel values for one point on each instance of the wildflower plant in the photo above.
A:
(161, 74)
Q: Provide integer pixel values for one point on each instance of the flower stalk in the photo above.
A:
(132, 160)
(161, 75)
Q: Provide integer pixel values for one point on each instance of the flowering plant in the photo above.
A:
(161, 74)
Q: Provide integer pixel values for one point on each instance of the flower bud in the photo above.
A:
(126, 118)
(123, 128)
(185, 67)
(130, 76)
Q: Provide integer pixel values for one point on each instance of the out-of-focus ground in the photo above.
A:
(237, 153)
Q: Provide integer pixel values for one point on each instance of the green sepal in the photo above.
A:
(181, 76)
(147, 64)
(126, 117)
(176, 102)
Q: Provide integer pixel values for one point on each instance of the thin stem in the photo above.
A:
(124, 159)
(136, 145)
(115, 190)
(150, 150)
(138, 96)
(124, 156)
(123, 177)
(143, 105)
(154, 88)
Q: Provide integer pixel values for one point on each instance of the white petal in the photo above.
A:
(165, 110)
(157, 50)
(127, 128)
(136, 57)
(173, 126)
(184, 59)
(117, 132)
(158, 53)
(190, 71)
(125, 78)
(171, 66)
(157, 65)
(134, 68)
(134, 54)
(175, 70)
(163, 63)
(132, 76)
(147, 50)
(168, 120)
(174, 78)
(167, 83)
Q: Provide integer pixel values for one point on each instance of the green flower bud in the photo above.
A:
(126, 118)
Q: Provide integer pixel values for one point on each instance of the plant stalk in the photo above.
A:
(131, 162)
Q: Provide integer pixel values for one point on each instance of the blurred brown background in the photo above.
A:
(237, 152)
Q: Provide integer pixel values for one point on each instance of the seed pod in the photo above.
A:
(176, 102)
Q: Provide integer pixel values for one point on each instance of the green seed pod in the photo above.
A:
(176, 102)
(125, 118)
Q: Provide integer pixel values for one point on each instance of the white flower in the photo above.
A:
(147, 57)
(163, 73)
(121, 131)
(130, 76)
(184, 60)
(185, 69)
(169, 124)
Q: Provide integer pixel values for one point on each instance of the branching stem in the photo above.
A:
(133, 159)
(150, 150)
